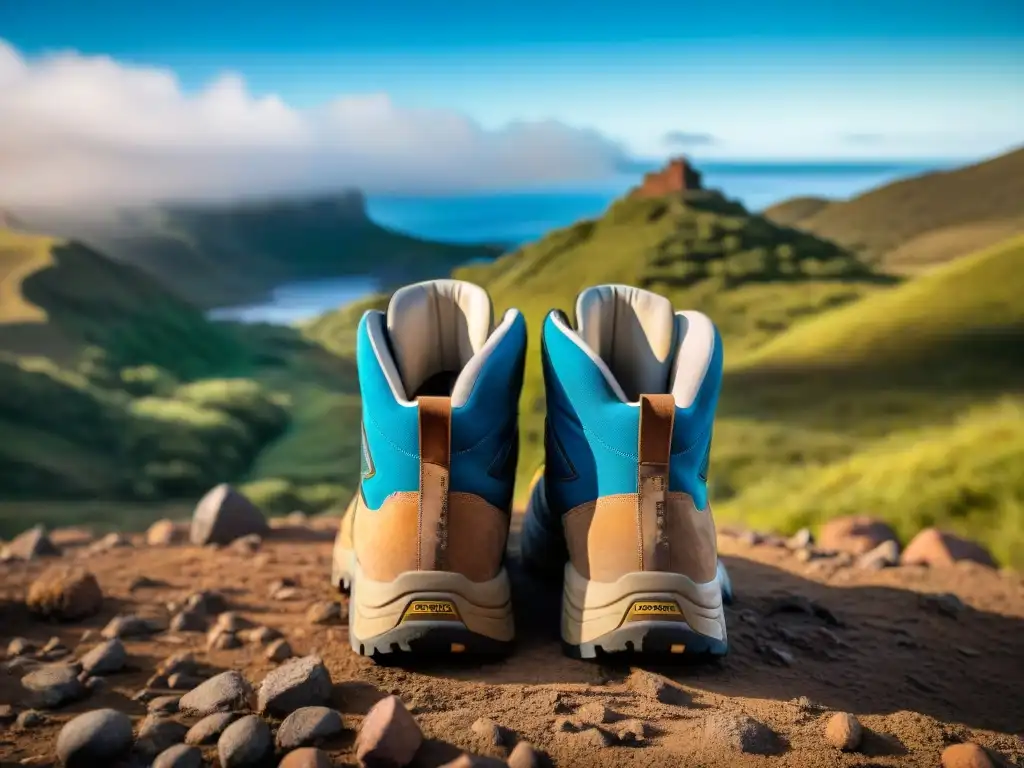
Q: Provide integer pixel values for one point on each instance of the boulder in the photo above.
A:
(940, 549)
(30, 545)
(856, 534)
(223, 515)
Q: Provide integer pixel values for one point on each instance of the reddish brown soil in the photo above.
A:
(917, 678)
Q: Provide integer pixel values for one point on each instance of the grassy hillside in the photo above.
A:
(221, 253)
(57, 297)
(935, 216)
(908, 404)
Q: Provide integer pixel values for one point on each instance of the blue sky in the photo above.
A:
(745, 79)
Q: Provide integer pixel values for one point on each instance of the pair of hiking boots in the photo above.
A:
(619, 512)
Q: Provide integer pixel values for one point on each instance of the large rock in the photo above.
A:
(54, 685)
(105, 659)
(302, 682)
(65, 592)
(30, 545)
(246, 743)
(96, 738)
(226, 692)
(939, 549)
(966, 755)
(157, 734)
(389, 736)
(223, 515)
(209, 729)
(308, 726)
(855, 534)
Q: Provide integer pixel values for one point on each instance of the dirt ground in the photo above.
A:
(807, 639)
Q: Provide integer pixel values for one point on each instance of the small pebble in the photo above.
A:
(844, 731)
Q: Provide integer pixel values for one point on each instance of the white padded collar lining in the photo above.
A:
(435, 326)
(640, 344)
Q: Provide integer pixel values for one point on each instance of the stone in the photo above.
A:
(184, 663)
(301, 682)
(219, 640)
(208, 602)
(967, 755)
(885, 555)
(99, 737)
(279, 650)
(739, 733)
(525, 755)
(105, 659)
(164, 533)
(66, 593)
(260, 635)
(189, 620)
(182, 681)
(389, 736)
(209, 729)
(30, 545)
(223, 515)
(843, 731)
(129, 625)
(232, 621)
(54, 685)
(308, 726)
(856, 534)
(802, 539)
(940, 549)
(7, 713)
(224, 692)
(19, 646)
(110, 541)
(163, 705)
(324, 612)
(29, 719)
(246, 743)
(307, 757)
(157, 733)
(466, 760)
(179, 756)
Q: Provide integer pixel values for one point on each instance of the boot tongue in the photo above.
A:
(434, 329)
(633, 332)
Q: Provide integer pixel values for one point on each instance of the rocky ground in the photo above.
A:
(125, 648)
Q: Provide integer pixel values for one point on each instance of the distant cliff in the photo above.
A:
(225, 253)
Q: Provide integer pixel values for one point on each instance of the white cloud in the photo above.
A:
(76, 129)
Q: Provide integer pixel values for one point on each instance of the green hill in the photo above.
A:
(922, 220)
(57, 297)
(230, 253)
(913, 399)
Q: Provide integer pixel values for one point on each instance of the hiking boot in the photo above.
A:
(620, 511)
(422, 545)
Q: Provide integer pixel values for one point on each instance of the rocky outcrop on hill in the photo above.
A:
(678, 176)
